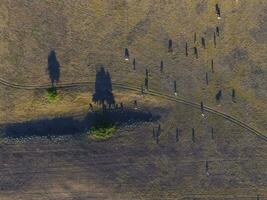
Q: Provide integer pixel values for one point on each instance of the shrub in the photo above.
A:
(103, 132)
(51, 94)
(103, 128)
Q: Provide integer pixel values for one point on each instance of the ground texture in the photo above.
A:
(86, 35)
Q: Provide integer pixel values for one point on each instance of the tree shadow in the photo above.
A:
(53, 67)
(75, 126)
(103, 88)
(43, 127)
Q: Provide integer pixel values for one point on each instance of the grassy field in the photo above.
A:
(131, 165)
(87, 35)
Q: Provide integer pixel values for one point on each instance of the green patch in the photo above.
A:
(51, 95)
(102, 133)
(103, 129)
(35, 32)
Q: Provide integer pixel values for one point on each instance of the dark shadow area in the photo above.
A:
(73, 126)
(44, 127)
(103, 88)
(53, 67)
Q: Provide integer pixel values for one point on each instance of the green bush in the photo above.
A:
(102, 129)
(102, 133)
(51, 94)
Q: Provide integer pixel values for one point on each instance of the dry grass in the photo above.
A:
(132, 166)
(88, 34)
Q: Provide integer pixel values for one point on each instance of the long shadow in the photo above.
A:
(73, 126)
(53, 67)
(103, 88)
(43, 127)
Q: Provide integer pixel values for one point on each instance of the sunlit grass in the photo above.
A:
(103, 128)
(103, 132)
